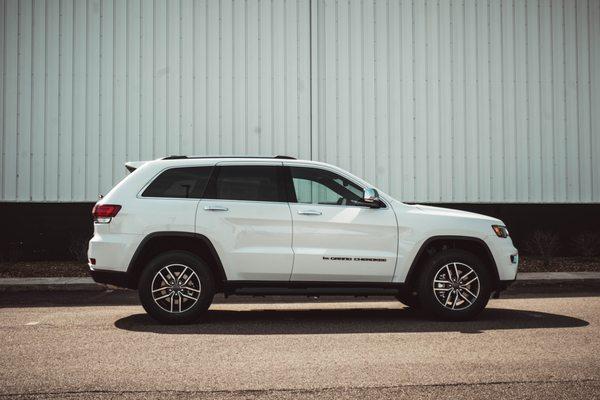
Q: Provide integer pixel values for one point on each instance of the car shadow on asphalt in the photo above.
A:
(355, 320)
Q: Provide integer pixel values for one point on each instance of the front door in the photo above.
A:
(246, 214)
(335, 238)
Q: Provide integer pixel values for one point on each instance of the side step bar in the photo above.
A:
(304, 289)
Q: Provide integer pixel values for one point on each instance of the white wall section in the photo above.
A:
(433, 101)
(462, 101)
(87, 85)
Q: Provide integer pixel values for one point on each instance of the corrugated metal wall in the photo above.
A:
(437, 101)
(462, 100)
(88, 85)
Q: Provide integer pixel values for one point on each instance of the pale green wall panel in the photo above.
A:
(433, 101)
(461, 100)
(88, 85)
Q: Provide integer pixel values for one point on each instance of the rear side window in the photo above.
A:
(180, 183)
(247, 182)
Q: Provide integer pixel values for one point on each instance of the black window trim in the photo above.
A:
(210, 188)
(292, 191)
(284, 177)
(140, 194)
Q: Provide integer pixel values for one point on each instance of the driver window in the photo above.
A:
(317, 186)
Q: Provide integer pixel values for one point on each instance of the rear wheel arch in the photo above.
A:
(160, 242)
(435, 244)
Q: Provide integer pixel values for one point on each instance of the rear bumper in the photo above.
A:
(115, 278)
(113, 251)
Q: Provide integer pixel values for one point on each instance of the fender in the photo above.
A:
(414, 266)
(219, 266)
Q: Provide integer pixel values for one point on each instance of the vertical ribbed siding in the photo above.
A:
(88, 85)
(462, 100)
(437, 101)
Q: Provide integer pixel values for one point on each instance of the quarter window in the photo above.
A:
(179, 183)
(318, 186)
(247, 182)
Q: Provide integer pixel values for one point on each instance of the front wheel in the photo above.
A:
(454, 285)
(176, 287)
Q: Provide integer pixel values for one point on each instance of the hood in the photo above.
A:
(448, 212)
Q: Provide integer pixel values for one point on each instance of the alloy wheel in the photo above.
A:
(176, 288)
(456, 286)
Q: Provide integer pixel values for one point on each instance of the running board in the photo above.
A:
(308, 289)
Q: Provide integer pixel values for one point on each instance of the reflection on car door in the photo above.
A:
(245, 209)
(335, 238)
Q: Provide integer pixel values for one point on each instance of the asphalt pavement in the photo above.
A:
(101, 345)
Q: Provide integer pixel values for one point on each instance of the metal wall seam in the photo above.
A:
(502, 97)
(91, 84)
(457, 101)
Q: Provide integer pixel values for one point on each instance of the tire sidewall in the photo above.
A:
(191, 261)
(429, 301)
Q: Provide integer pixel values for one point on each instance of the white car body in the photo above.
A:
(276, 241)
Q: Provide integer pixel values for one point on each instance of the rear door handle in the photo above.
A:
(216, 208)
(309, 212)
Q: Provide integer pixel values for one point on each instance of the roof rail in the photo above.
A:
(174, 157)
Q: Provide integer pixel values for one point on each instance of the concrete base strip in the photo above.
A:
(56, 283)
(557, 276)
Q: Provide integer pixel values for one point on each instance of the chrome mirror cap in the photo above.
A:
(370, 195)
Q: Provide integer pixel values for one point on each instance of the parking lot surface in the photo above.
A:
(102, 345)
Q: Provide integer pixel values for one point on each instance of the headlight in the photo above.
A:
(500, 230)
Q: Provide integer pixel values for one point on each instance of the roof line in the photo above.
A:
(180, 157)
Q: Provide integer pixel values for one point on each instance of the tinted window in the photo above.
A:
(256, 183)
(179, 183)
(317, 186)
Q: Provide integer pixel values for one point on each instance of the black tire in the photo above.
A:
(433, 305)
(206, 288)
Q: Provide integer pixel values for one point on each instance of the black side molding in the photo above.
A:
(115, 278)
(307, 288)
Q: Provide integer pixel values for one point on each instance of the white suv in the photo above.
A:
(181, 229)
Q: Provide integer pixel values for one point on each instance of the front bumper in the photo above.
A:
(506, 257)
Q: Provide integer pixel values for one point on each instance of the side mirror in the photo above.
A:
(371, 197)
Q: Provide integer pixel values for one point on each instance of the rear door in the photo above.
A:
(335, 238)
(245, 213)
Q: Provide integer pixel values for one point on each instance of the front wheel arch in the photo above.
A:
(435, 244)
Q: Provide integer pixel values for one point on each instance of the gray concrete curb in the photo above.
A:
(50, 284)
(87, 284)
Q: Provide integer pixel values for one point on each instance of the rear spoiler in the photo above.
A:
(133, 165)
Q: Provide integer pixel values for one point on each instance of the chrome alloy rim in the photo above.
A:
(456, 286)
(176, 288)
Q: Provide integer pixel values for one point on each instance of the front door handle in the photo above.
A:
(309, 212)
(216, 208)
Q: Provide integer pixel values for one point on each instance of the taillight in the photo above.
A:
(103, 213)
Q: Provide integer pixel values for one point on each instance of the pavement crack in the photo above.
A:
(295, 390)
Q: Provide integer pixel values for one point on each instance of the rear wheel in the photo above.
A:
(454, 285)
(176, 288)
